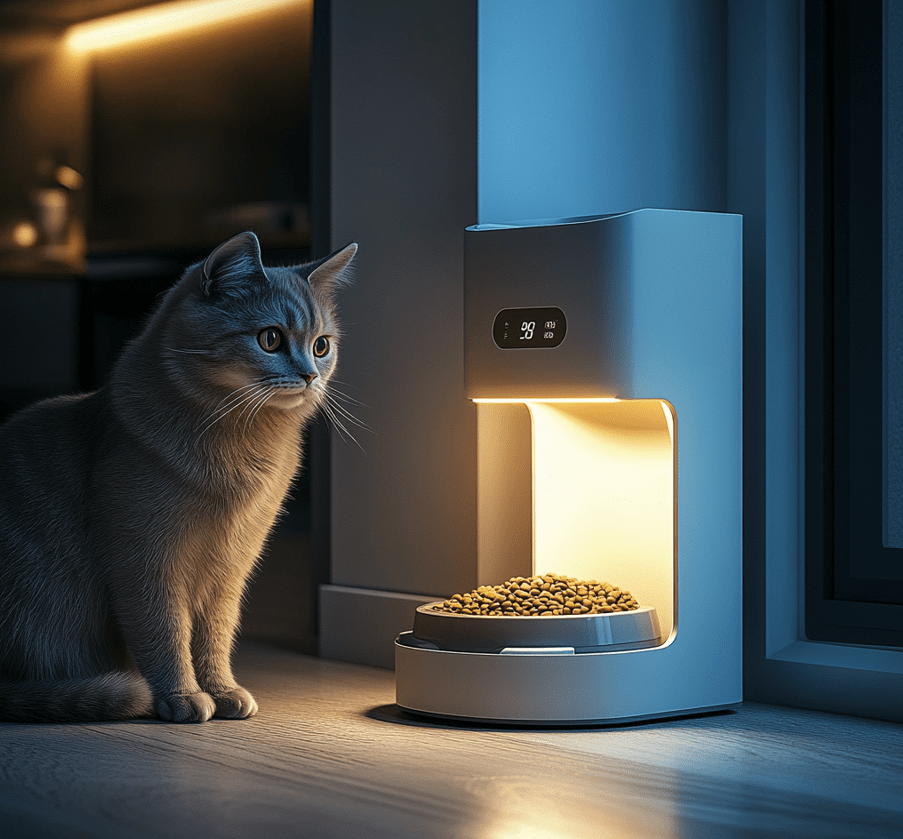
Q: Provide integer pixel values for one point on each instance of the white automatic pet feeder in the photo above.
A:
(605, 355)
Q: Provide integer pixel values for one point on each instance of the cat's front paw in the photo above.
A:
(189, 707)
(235, 704)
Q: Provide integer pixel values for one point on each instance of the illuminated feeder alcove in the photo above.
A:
(597, 497)
(585, 486)
(604, 357)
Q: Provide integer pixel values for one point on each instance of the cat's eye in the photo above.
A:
(270, 339)
(321, 346)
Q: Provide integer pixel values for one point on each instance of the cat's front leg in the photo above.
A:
(157, 632)
(215, 625)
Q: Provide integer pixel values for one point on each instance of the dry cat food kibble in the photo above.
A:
(549, 594)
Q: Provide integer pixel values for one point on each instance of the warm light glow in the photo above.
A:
(603, 496)
(68, 177)
(25, 234)
(568, 400)
(163, 19)
(602, 504)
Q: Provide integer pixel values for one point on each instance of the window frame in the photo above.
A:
(766, 142)
(851, 595)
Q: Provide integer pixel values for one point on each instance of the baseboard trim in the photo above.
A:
(360, 625)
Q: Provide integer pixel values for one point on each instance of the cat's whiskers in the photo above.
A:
(229, 400)
(251, 398)
(257, 408)
(349, 399)
(330, 396)
(336, 392)
(243, 401)
(193, 352)
(228, 397)
(239, 396)
(336, 422)
(253, 407)
(331, 408)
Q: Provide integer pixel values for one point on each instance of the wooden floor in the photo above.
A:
(330, 756)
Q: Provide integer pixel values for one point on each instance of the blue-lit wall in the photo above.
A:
(600, 106)
(443, 114)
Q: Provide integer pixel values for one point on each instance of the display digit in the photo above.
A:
(551, 335)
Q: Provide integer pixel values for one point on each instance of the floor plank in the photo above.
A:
(329, 755)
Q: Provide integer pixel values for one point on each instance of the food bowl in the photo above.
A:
(587, 633)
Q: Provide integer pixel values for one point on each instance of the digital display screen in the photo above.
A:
(522, 329)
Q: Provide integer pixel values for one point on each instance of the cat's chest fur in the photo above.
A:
(219, 494)
(243, 494)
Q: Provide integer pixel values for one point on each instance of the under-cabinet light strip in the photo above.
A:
(163, 19)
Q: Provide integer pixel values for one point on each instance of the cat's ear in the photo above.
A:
(232, 264)
(333, 271)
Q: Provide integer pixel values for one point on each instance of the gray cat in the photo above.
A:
(131, 517)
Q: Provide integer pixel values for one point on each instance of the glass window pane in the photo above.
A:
(893, 274)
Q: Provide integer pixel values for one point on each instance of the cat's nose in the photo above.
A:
(308, 377)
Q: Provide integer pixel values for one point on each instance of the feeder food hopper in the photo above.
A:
(605, 357)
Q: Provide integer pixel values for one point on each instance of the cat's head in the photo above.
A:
(258, 336)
